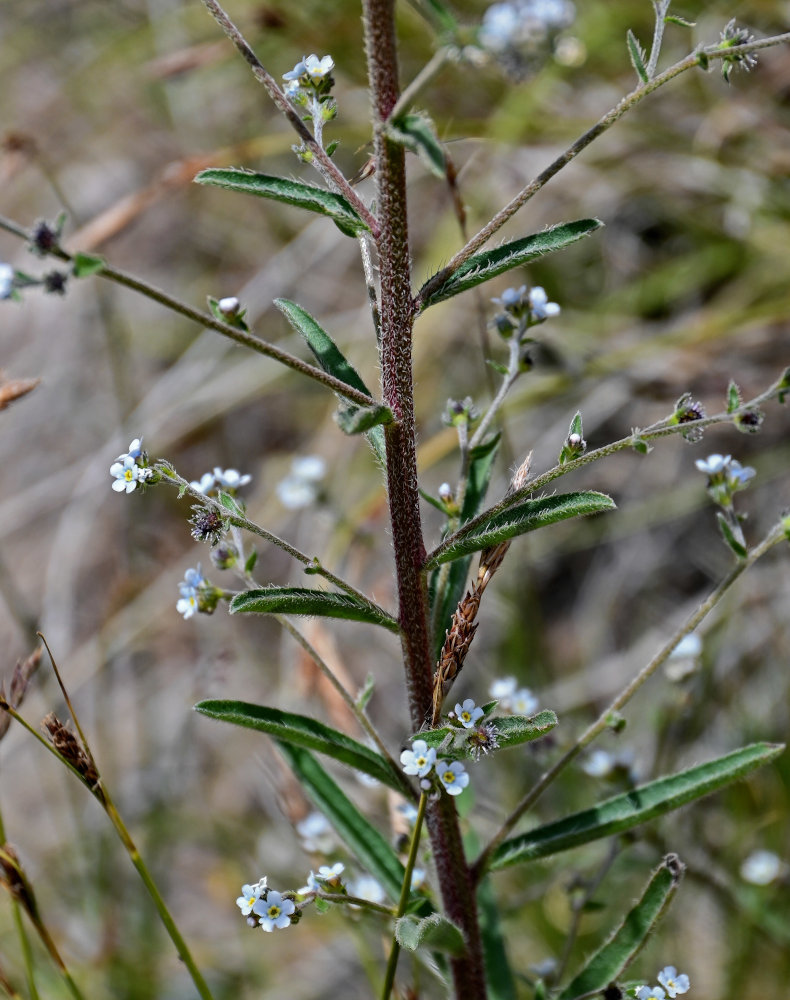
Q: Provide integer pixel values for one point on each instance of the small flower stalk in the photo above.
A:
(308, 86)
(726, 477)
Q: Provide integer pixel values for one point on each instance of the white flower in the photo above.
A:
(127, 474)
(452, 775)
(599, 764)
(672, 982)
(229, 306)
(539, 305)
(292, 88)
(503, 690)
(316, 833)
(317, 68)
(326, 875)
(366, 887)
(418, 878)
(739, 475)
(311, 467)
(689, 646)
(511, 297)
(713, 464)
(6, 281)
(650, 993)
(762, 868)
(274, 911)
(189, 587)
(294, 493)
(523, 702)
(250, 895)
(135, 448)
(205, 483)
(299, 70)
(230, 479)
(468, 713)
(419, 760)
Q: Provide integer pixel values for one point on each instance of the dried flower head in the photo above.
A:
(207, 524)
(69, 748)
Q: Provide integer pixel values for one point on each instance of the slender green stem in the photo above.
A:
(24, 941)
(777, 534)
(423, 78)
(662, 428)
(368, 904)
(210, 322)
(602, 125)
(392, 963)
(321, 160)
(359, 713)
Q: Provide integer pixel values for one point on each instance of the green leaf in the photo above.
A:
(623, 812)
(609, 962)
(734, 398)
(331, 360)
(440, 13)
(360, 419)
(677, 19)
(510, 731)
(230, 504)
(521, 518)
(435, 932)
(729, 536)
(314, 199)
(303, 731)
(302, 601)
(416, 133)
(640, 445)
(366, 692)
(637, 56)
(481, 463)
(362, 839)
(85, 264)
(252, 558)
(488, 264)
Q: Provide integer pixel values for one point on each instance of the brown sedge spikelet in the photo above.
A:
(20, 679)
(68, 746)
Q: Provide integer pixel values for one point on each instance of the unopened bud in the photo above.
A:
(229, 307)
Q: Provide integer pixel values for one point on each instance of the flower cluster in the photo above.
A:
(673, 984)
(522, 308)
(512, 698)
(521, 25)
(228, 480)
(265, 907)
(131, 469)
(421, 760)
(301, 487)
(197, 594)
(309, 84)
(730, 37)
(725, 477)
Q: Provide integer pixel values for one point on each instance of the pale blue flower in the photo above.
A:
(326, 876)
(689, 646)
(738, 476)
(366, 887)
(316, 833)
(452, 775)
(250, 894)
(499, 27)
(539, 305)
(300, 487)
(650, 993)
(762, 868)
(230, 479)
(127, 474)
(713, 464)
(189, 602)
(523, 702)
(135, 448)
(274, 911)
(599, 764)
(673, 982)
(299, 70)
(503, 690)
(6, 281)
(468, 713)
(292, 88)
(419, 760)
(317, 68)
(204, 484)
(511, 297)
(311, 467)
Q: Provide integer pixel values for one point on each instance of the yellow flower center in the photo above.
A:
(448, 777)
(128, 475)
(273, 911)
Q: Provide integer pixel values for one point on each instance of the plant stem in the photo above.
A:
(424, 77)
(392, 963)
(323, 163)
(397, 319)
(777, 534)
(602, 125)
(24, 942)
(660, 7)
(660, 429)
(208, 321)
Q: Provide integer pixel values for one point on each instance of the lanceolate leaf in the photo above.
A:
(332, 361)
(361, 838)
(510, 731)
(521, 518)
(488, 264)
(416, 133)
(434, 932)
(481, 462)
(635, 807)
(308, 733)
(637, 56)
(314, 199)
(302, 601)
(610, 961)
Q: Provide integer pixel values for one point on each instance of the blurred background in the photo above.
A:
(108, 111)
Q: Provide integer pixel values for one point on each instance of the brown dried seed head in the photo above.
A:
(20, 679)
(67, 745)
(12, 877)
(456, 646)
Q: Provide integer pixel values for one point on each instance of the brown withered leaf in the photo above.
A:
(14, 388)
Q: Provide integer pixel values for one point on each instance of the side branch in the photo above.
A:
(321, 160)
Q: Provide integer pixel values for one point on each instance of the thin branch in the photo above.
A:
(205, 319)
(423, 78)
(321, 160)
(660, 429)
(660, 7)
(602, 125)
(777, 534)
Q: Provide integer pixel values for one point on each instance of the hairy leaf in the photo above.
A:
(314, 199)
(416, 133)
(435, 932)
(635, 807)
(509, 730)
(609, 962)
(637, 55)
(302, 601)
(528, 515)
(488, 264)
(309, 733)
(333, 362)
